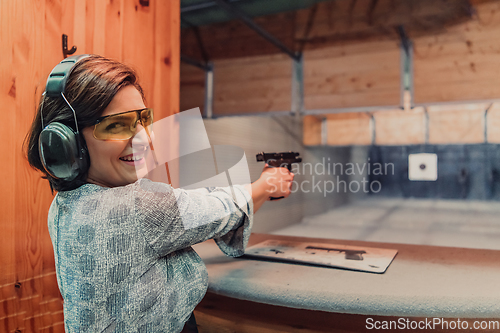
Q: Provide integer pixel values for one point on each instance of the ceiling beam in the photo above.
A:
(237, 13)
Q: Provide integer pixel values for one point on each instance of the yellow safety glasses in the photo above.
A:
(122, 126)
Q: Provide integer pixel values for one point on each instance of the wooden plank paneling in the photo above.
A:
(79, 22)
(30, 242)
(8, 94)
(352, 76)
(346, 20)
(493, 123)
(166, 69)
(87, 27)
(244, 85)
(348, 129)
(456, 123)
(312, 130)
(192, 87)
(350, 100)
(324, 24)
(252, 85)
(138, 46)
(449, 124)
(234, 39)
(114, 30)
(400, 127)
(166, 59)
(460, 63)
(98, 45)
(30, 46)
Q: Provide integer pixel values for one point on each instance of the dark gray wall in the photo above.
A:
(464, 172)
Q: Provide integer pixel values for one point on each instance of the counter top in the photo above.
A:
(422, 281)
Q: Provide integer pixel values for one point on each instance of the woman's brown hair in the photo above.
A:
(90, 87)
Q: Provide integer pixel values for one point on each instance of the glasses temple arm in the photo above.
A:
(74, 113)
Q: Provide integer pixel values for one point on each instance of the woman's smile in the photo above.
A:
(136, 158)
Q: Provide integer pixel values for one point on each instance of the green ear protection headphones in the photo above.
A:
(62, 153)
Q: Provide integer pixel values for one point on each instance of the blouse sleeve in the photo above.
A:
(174, 219)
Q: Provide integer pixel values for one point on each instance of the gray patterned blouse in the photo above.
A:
(123, 255)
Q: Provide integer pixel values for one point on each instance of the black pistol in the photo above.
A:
(277, 160)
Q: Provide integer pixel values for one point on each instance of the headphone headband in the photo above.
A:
(56, 82)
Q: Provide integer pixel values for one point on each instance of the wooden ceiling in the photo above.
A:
(325, 24)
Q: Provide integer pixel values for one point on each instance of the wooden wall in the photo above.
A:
(462, 63)
(192, 81)
(443, 124)
(459, 65)
(351, 54)
(493, 123)
(352, 59)
(342, 76)
(252, 85)
(242, 86)
(352, 75)
(30, 46)
(327, 23)
(457, 124)
(349, 128)
(401, 127)
(233, 39)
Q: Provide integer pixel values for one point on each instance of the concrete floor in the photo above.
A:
(469, 224)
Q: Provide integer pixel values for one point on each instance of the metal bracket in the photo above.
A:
(486, 123)
(373, 128)
(406, 67)
(324, 131)
(297, 86)
(237, 13)
(426, 125)
(405, 41)
(209, 91)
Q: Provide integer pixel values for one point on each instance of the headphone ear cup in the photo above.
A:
(61, 152)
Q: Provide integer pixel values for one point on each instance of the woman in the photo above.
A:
(123, 256)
